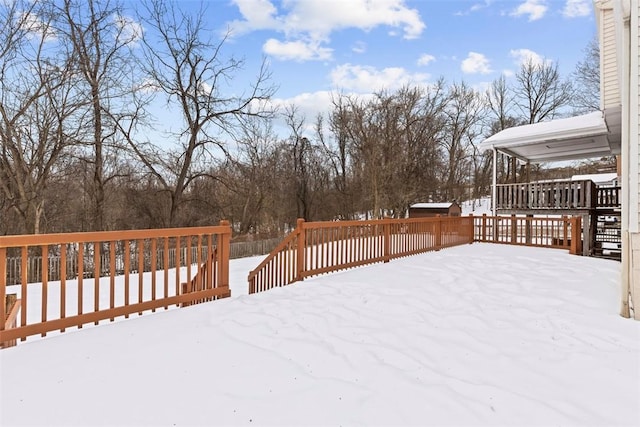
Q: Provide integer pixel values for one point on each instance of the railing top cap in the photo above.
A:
(108, 236)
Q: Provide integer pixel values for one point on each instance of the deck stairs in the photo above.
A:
(608, 242)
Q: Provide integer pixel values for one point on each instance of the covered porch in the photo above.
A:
(587, 136)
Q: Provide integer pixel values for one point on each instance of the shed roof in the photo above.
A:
(598, 178)
(579, 137)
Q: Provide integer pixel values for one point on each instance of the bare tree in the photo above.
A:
(362, 128)
(422, 124)
(34, 92)
(300, 148)
(500, 103)
(392, 141)
(249, 179)
(191, 72)
(99, 38)
(464, 115)
(336, 151)
(540, 92)
(587, 78)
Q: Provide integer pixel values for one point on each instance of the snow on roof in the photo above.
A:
(432, 205)
(556, 128)
(598, 178)
(562, 139)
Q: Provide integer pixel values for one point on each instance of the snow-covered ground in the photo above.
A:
(478, 334)
(476, 206)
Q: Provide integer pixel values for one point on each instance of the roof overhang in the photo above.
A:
(590, 135)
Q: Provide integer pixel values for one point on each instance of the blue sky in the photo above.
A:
(318, 47)
(360, 46)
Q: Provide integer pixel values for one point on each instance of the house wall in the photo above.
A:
(610, 91)
(633, 267)
(634, 94)
(626, 19)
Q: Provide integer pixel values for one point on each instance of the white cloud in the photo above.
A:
(296, 50)
(479, 6)
(315, 20)
(258, 15)
(426, 59)
(309, 104)
(475, 63)
(359, 47)
(523, 56)
(577, 8)
(147, 86)
(130, 31)
(366, 79)
(475, 8)
(536, 9)
(35, 27)
(481, 87)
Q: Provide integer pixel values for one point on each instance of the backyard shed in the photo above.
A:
(423, 210)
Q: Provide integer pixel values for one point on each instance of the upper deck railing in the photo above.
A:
(556, 195)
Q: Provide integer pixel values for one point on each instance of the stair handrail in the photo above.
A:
(285, 243)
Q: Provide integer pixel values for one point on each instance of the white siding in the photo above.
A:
(635, 138)
(609, 72)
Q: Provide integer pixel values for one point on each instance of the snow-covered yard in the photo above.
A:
(478, 334)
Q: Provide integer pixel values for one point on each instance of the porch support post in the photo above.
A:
(494, 189)
(586, 234)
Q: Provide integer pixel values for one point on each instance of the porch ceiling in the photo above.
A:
(590, 135)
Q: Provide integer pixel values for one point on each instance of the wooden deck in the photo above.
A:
(558, 196)
(598, 206)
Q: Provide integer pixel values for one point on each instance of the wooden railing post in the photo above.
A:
(514, 230)
(300, 250)
(386, 230)
(223, 250)
(438, 232)
(592, 194)
(252, 284)
(528, 225)
(576, 240)
(484, 227)
(471, 230)
(495, 232)
(3, 286)
(580, 237)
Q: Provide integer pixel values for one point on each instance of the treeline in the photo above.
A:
(79, 80)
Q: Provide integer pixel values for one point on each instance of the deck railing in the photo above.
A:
(54, 267)
(559, 233)
(558, 195)
(127, 289)
(321, 247)
(12, 308)
(608, 197)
